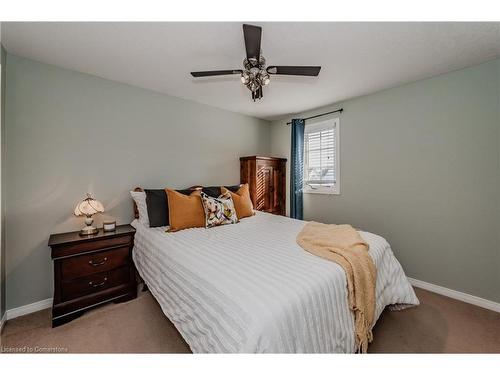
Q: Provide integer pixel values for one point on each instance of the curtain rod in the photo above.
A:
(321, 114)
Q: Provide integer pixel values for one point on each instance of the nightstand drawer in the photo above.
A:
(95, 283)
(76, 248)
(84, 265)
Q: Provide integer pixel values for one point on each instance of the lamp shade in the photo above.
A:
(88, 207)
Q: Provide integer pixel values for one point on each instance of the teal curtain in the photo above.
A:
(297, 169)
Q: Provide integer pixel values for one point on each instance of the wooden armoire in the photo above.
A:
(266, 177)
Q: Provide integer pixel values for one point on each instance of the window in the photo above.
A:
(321, 157)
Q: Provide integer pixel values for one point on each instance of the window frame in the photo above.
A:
(334, 189)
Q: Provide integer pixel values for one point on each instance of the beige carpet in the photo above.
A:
(438, 325)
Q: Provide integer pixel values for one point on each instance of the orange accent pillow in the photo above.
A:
(185, 211)
(242, 202)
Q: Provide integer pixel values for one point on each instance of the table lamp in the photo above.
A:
(88, 207)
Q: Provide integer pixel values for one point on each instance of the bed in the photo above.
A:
(249, 288)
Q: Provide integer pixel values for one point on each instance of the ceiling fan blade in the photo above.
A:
(252, 36)
(294, 70)
(210, 73)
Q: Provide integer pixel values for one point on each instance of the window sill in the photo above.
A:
(324, 192)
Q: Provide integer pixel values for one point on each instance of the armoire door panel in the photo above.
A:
(276, 191)
(264, 189)
(265, 177)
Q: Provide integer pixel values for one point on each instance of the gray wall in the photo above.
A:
(498, 108)
(420, 165)
(2, 186)
(68, 133)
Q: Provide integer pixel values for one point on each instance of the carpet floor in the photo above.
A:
(438, 325)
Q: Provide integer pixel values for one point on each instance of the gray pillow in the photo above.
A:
(215, 191)
(157, 202)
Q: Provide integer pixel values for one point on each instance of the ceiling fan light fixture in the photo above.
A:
(245, 78)
(253, 86)
(264, 78)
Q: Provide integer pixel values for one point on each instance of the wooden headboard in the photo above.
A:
(136, 211)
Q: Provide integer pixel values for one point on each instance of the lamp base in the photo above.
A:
(88, 230)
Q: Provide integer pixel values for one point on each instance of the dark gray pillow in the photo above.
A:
(212, 191)
(157, 203)
(215, 191)
(233, 188)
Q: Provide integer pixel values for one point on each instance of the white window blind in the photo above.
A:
(321, 157)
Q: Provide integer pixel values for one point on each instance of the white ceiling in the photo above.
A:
(356, 58)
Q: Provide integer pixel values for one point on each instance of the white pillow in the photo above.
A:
(139, 198)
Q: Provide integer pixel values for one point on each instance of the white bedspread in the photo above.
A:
(249, 287)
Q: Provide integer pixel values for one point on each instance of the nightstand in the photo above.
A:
(91, 270)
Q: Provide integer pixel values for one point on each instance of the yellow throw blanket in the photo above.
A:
(343, 244)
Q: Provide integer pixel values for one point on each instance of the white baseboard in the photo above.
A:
(28, 309)
(473, 300)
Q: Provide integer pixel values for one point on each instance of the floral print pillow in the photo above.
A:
(218, 211)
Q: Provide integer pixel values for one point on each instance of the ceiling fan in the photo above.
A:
(255, 75)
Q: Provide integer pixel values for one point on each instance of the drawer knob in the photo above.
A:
(92, 263)
(91, 283)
